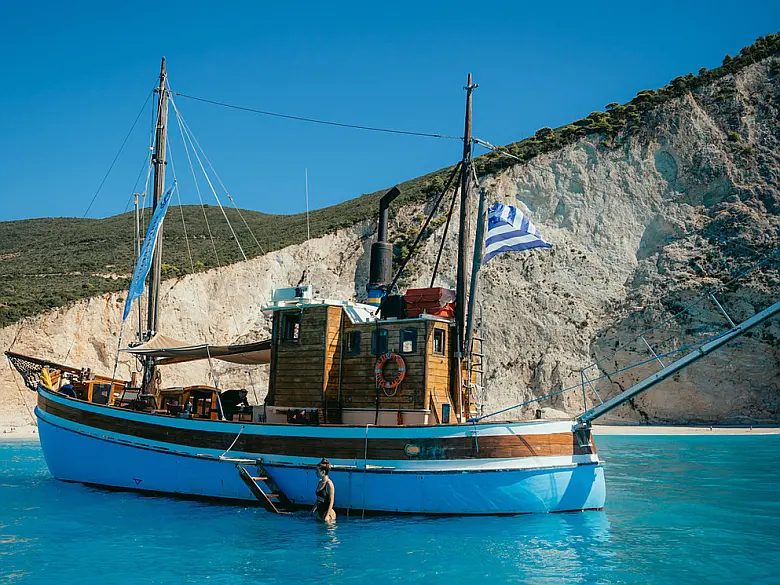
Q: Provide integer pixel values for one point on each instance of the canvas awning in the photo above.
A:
(174, 351)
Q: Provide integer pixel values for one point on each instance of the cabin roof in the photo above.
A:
(357, 312)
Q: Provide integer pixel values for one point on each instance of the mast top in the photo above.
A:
(468, 87)
(163, 75)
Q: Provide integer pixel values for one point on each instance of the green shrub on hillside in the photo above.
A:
(629, 117)
(50, 262)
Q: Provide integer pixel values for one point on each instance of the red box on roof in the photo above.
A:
(432, 301)
(438, 295)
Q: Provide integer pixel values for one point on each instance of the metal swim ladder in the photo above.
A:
(274, 500)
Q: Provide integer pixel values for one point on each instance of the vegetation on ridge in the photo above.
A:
(629, 117)
(50, 262)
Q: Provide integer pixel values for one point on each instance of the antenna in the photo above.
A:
(308, 230)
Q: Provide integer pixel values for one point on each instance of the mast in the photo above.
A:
(158, 159)
(137, 256)
(460, 291)
(475, 266)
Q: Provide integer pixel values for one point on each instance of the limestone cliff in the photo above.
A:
(641, 225)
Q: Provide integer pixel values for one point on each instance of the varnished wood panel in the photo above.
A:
(558, 444)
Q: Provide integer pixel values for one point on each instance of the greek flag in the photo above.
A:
(510, 231)
(147, 252)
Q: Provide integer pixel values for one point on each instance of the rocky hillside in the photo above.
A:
(643, 220)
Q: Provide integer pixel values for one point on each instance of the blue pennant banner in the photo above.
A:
(147, 253)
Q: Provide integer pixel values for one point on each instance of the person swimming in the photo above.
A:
(326, 493)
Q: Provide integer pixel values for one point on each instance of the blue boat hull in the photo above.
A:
(80, 454)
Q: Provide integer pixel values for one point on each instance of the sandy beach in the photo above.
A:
(642, 430)
(18, 433)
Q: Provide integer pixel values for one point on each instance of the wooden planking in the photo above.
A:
(367, 371)
(437, 378)
(557, 444)
(332, 344)
(316, 361)
(299, 368)
(359, 371)
(294, 363)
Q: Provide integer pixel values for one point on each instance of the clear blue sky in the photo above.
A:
(75, 74)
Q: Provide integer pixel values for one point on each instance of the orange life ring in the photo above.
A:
(380, 366)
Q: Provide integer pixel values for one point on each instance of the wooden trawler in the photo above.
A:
(383, 389)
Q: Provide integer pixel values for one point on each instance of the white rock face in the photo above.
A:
(640, 229)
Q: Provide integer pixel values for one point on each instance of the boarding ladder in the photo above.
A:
(475, 380)
(272, 498)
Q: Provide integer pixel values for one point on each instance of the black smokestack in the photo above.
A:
(381, 271)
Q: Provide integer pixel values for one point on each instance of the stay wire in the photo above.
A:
(213, 190)
(319, 121)
(444, 235)
(196, 146)
(424, 227)
(181, 207)
(219, 180)
(121, 148)
(94, 197)
(704, 296)
(602, 377)
(186, 136)
(197, 188)
(192, 265)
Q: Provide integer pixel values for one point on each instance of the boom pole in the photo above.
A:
(586, 418)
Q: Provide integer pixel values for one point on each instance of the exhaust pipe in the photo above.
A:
(380, 273)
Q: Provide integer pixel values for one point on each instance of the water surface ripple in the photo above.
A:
(679, 510)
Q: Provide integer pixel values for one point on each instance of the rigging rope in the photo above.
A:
(444, 235)
(692, 304)
(208, 180)
(121, 148)
(185, 130)
(181, 208)
(317, 121)
(197, 190)
(652, 358)
(427, 221)
(192, 263)
(219, 180)
(190, 141)
(602, 377)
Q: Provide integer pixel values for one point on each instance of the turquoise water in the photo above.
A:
(679, 510)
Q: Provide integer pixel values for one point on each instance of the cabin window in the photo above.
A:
(379, 341)
(353, 343)
(291, 327)
(408, 341)
(439, 337)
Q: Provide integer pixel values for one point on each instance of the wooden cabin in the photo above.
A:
(324, 357)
